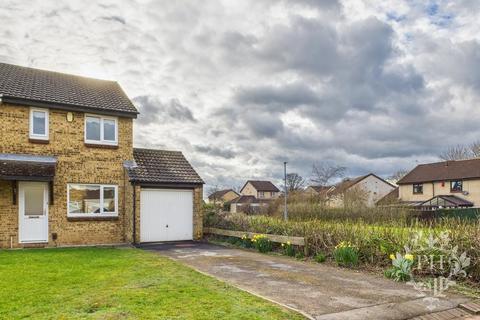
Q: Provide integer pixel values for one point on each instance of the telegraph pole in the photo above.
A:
(285, 210)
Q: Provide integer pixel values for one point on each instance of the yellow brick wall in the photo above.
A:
(77, 163)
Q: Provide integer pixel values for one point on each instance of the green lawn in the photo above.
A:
(109, 283)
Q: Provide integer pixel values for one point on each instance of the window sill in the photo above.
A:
(39, 141)
(97, 218)
(101, 146)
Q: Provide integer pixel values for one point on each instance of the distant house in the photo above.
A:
(318, 191)
(446, 184)
(389, 199)
(367, 189)
(260, 189)
(223, 196)
(248, 204)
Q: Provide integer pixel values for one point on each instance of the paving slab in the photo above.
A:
(316, 290)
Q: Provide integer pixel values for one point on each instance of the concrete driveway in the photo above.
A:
(317, 291)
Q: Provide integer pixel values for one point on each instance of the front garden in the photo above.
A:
(118, 283)
(359, 244)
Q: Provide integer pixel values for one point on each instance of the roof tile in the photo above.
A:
(160, 166)
(36, 85)
(443, 171)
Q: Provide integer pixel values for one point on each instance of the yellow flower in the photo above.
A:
(288, 242)
(283, 244)
(409, 256)
(392, 257)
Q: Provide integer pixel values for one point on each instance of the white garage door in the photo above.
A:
(166, 215)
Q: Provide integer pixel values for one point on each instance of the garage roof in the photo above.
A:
(162, 167)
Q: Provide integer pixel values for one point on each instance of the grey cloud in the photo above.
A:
(223, 151)
(300, 80)
(286, 95)
(115, 19)
(153, 110)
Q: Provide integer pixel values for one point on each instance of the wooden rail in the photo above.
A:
(297, 241)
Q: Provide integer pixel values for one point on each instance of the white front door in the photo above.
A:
(166, 215)
(33, 212)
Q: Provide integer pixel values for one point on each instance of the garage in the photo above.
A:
(166, 215)
(167, 197)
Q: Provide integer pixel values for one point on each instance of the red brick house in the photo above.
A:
(69, 174)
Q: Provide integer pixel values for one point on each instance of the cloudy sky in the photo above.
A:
(241, 86)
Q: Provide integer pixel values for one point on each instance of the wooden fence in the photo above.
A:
(297, 241)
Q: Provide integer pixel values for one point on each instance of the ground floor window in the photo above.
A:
(92, 200)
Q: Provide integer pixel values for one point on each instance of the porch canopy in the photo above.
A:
(24, 167)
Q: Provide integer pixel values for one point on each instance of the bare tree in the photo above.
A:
(475, 149)
(323, 173)
(458, 152)
(295, 182)
(212, 192)
(399, 174)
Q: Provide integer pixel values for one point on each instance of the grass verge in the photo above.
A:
(114, 283)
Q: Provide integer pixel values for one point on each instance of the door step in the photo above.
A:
(34, 245)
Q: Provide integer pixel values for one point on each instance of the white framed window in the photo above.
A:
(92, 200)
(261, 194)
(101, 130)
(38, 124)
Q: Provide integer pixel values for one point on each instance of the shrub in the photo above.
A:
(299, 255)
(262, 244)
(288, 249)
(246, 242)
(373, 241)
(320, 257)
(346, 255)
(401, 267)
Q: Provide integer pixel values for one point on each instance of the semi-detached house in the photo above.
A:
(69, 174)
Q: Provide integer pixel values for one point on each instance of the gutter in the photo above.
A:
(66, 107)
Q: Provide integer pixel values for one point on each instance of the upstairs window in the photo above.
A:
(456, 186)
(418, 188)
(261, 194)
(101, 130)
(38, 124)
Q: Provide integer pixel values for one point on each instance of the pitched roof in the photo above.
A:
(320, 188)
(220, 193)
(160, 166)
(248, 200)
(391, 197)
(36, 87)
(348, 183)
(260, 185)
(443, 171)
